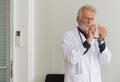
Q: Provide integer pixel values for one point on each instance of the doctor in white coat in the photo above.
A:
(82, 51)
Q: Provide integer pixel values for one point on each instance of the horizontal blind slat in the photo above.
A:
(4, 7)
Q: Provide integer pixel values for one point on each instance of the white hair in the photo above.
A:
(89, 7)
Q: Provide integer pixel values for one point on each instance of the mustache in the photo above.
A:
(84, 27)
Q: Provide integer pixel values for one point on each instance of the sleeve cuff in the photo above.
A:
(102, 47)
(86, 45)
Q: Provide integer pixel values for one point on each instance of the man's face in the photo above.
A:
(87, 17)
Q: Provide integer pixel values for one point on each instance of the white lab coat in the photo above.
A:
(78, 67)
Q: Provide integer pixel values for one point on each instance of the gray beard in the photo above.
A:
(84, 28)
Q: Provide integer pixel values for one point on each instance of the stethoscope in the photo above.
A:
(80, 34)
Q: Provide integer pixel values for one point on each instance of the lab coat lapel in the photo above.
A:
(77, 34)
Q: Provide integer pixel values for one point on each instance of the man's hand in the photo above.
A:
(91, 32)
(102, 33)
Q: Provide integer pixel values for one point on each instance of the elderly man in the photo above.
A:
(82, 51)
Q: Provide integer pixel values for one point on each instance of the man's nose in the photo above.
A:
(90, 21)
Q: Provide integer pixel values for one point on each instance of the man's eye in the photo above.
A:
(92, 19)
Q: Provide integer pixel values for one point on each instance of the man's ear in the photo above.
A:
(77, 19)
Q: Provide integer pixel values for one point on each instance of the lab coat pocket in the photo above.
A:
(76, 77)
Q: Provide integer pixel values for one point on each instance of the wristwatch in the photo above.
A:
(101, 42)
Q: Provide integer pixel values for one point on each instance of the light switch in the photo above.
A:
(18, 38)
(17, 33)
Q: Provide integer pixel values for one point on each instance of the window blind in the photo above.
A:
(4, 19)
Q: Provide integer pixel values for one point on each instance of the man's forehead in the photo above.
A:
(88, 11)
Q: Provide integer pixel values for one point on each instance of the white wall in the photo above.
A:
(52, 19)
(20, 56)
(55, 17)
(22, 19)
(43, 39)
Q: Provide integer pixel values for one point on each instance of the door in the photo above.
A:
(5, 41)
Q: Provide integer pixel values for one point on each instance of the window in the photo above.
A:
(4, 41)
